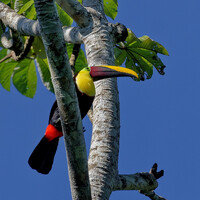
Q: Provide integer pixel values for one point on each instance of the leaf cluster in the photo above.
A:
(23, 73)
(26, 8)
(139, 54)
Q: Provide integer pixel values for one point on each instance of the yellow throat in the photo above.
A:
(85, 83)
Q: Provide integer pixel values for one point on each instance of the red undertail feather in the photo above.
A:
(52, 133)
(42, 157)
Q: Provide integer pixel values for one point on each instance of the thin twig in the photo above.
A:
(157, 174)
(74, 56)
(23, 54)
(27, 46)
(6, 57)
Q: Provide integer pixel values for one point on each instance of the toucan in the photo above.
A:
(42, 156)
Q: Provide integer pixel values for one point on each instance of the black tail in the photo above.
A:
(42, 157)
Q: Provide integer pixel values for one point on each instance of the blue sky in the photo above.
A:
(159, 117)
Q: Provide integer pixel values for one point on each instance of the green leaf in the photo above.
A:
(3, 53)
(110, 8)
(131, 37)
(131, 65)
(5, 1)
(25, 78)
(120, 56)
(38, 48)
(31, 13)
(65, 19)
(147, 52)
(44, 72)
(6, 71)
(26, 6)
(148, 43)
(145, 65)
(152, 57)
(141, 55)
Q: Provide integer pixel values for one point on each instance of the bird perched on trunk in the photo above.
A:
(42, 157)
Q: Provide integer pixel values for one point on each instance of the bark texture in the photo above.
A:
(18, 22)
(103, 158)
(60, 69)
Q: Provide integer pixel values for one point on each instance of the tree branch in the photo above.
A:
(60, 69)
(138, 181)
(72, 35)
(11, 40)
(18, 22)
(74, 9)
(30, 27)
(144, 182)
(27, 46)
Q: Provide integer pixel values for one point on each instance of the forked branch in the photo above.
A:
(144, 182)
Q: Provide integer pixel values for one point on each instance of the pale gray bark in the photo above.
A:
(72, 35)
(99, 37)
(60, 69)
(74, 9)
(17, 22)
(138, 181)
(29, 27)
(103, 158)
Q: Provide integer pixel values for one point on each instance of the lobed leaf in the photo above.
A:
(131, 65)
(151, 57)
(141, 55)
(148, 43)
(145, 66)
